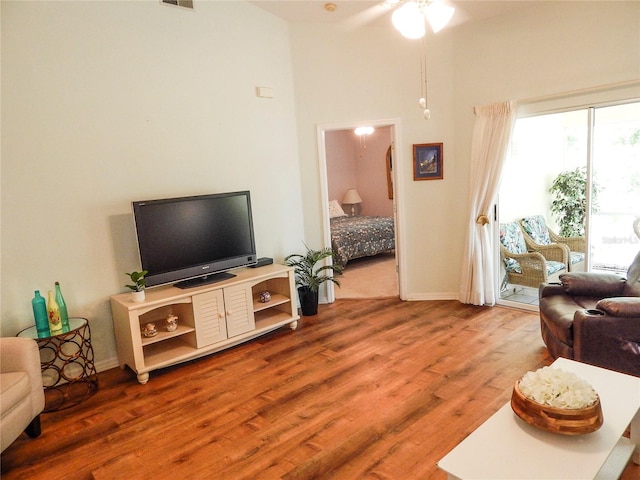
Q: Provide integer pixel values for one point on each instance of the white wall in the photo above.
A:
(371, 161)
(344, 75)
(351, 76)
(554, 48)
(341, 166)
(108, 102)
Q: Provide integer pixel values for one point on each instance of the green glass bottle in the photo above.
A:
(55, 323)
(40, 314)
(62, 306)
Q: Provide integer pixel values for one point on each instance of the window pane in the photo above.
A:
(542, 147)
(616, 173)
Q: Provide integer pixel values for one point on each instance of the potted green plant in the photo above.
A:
(309, 277)
(137, 285)
(569, 205)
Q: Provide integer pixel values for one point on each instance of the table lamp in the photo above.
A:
(352, 198)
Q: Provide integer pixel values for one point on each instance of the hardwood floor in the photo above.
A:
(364, 390)
(369, 277)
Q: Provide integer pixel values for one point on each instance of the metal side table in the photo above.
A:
(68, 370)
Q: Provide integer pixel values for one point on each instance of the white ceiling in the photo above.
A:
(367, 12)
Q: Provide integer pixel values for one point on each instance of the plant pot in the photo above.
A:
(308, 301)
(138, 297)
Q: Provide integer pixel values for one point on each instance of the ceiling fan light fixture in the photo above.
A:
(364, 130)
(409, 21)
(438, 15)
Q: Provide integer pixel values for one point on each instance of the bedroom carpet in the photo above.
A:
(369, 277)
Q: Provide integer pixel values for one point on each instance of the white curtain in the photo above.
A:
(491, 134)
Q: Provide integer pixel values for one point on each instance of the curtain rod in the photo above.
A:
(581, 91)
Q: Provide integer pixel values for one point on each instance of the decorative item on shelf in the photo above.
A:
(309, 279)
(149, 330)
(137, 286)
(64, 315)
(39, 306)
(557, 401)
(53, 311)
(265, 296)
(172, 323)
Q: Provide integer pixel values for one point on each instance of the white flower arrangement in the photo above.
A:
(556, 388)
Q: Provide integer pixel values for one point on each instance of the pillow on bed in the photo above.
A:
(335, 210)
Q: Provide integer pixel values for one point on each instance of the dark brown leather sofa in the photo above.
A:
(594, 318)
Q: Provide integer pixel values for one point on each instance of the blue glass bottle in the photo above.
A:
(40, 314)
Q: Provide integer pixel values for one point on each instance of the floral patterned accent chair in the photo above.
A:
(525, 268)
(540, 238)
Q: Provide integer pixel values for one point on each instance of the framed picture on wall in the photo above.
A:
(427, 161)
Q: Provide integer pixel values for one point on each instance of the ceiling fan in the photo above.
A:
(409, 17)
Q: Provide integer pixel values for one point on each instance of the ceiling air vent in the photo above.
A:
(179, 3)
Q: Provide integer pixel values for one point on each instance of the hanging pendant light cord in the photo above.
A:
(424, 104)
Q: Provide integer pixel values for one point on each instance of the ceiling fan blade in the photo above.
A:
(367, 16)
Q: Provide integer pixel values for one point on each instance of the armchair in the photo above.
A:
(525, 268)
(594, 318)
(540, 238)
(21, 391)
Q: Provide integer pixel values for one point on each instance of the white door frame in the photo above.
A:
(397, 185)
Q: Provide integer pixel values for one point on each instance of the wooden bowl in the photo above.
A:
(564, 421)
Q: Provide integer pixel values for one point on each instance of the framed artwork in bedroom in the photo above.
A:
(427, 161)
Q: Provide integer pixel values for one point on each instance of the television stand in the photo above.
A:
(211, 318)
(206, 280)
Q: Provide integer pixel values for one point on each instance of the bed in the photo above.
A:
(360, 236)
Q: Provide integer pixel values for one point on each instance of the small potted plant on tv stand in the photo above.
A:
(137, 285)
(309, 278)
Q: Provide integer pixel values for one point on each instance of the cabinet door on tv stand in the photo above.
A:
(208, 309)
(238, 304)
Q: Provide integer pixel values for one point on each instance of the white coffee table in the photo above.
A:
(505, 447)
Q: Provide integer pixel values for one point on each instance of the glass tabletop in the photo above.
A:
(74, 324)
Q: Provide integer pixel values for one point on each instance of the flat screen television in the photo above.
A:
(194, 240)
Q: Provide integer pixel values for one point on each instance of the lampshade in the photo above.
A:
(438, 15)
(351, 197)
(409, 19)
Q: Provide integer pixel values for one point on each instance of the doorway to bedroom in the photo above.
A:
(358, 181)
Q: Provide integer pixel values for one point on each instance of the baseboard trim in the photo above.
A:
(432, 296)
(107, 364)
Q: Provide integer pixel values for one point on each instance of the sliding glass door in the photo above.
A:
(615, 174)
(586, 160)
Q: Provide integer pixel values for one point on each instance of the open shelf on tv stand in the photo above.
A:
(205, 280)
(211, 317)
